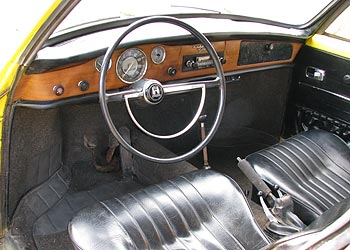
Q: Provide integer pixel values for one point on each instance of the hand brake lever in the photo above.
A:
(254, 178)
(281, 218)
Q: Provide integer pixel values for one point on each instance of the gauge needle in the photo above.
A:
(130, 66)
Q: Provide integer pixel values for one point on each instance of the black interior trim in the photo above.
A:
(326, 99)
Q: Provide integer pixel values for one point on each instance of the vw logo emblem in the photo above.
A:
(154, 93)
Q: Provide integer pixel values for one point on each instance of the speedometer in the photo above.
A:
(131, 65)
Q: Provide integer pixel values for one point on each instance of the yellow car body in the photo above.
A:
(17, 64)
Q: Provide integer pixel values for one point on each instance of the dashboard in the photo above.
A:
(163, 62)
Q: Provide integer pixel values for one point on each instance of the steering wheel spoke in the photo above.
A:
(178, 88)
(119, 96)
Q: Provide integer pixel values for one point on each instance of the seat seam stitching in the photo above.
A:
(317, 155)
(325, 152)
(133, 221)
(318, 169)
(306, 181)
(160, 235)
(170, 224)
(195, 213)
(212, 214)
(309, 177)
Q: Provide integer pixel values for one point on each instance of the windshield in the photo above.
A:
(293, 12)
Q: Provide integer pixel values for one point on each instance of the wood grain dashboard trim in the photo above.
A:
(39, 87)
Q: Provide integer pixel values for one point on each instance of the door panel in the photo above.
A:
(316, 103)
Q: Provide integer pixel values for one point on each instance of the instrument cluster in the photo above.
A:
(131, 65)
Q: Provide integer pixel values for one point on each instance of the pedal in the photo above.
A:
(89, 143)
(102, 163)
(113, 144)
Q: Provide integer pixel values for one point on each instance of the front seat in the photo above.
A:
(313, 167)
(198, 210)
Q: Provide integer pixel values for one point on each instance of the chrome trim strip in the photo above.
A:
(345, 98)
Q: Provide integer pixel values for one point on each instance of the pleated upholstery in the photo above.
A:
(313, 167)
(199, 210)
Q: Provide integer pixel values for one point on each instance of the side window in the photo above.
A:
(340, 28)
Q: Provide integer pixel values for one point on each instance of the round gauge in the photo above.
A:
(131, 65)
(158, 55)
(99, 61)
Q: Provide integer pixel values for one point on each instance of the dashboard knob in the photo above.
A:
(83, 85)
(190, 63)
(172, 71)
(269, 46)
(346, 79)
(58, 90)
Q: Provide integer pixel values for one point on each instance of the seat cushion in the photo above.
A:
(313, 167)
(199, 210)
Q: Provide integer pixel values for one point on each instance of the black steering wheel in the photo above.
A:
(153, 91)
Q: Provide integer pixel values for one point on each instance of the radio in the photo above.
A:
(202, 61)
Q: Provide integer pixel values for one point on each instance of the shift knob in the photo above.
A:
(202, 118)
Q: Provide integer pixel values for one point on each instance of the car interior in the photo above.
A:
(221, 140)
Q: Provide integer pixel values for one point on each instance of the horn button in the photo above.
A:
(153, 92)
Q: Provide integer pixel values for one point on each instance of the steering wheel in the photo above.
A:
(153, 92)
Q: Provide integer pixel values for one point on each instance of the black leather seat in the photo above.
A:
(313, 167)
(199, 210)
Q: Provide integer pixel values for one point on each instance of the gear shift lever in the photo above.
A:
(201, 120)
